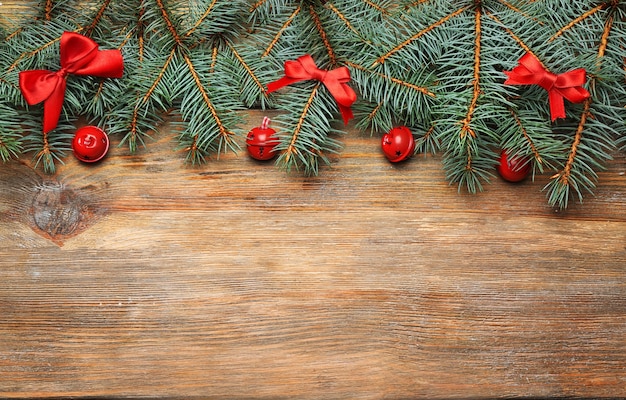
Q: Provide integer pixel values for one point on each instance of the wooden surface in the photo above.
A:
(141, 276)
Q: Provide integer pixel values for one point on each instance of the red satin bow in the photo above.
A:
(335, 80)
(567, 85)
(79, 56)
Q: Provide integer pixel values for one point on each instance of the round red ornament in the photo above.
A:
(513, 169)
(398, 144)
(90, 144)
(261, 141)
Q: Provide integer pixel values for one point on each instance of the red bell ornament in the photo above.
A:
(513, 169)
(398, 144)
(261, 141)
(90, 144)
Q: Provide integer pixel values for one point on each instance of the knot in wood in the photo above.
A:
(57, 211)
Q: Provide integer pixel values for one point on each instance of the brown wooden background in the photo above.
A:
(141, 276)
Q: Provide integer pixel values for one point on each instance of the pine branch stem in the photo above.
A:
(318, 25)
(13, 34)
(565, 175)
(384, 57)
(201, 19)
(468, 164)
(48, 10)
(530, 142)
(372, 114)
(257, 5)
(31, 53)
(249, 70)
(604, 40)
(134, 130)
(392, 79)
(375, 6)
(225, 134)
(427, 135)
(291, 149)
(169, 23)
(214, 53)
(160, 75)
(511, 6)
(578, 20)
(416, 3)
(45, 150)
(342, 17)
(466, 128)
(517, 39)
(518, 10)
(97, 18)
(281, 31)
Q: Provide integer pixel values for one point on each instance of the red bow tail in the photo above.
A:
(568, 85)
(335, 81)
(79, 56)
(48, 87)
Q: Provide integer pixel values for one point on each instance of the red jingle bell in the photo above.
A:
(261, 141)
(90, 144)
(513, 169)
(398, 144)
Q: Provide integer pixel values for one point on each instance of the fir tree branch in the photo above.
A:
(48, 10)
(439, 72)
(372, 114)
(466, 123)
(415, 3)
(527, 138)
(256, 5)
(565, 176)
(280, 32)
(292, 148)
(428, 142)
(397, 81)
(517, 39)
(224, 133)
(604, 39)
(578, 20)
(512, 7)
(373, 5)
(384, 57)
(518, 10)
(47, 148)
(31, 53)
(249, 71)
(96, 20)
(563, 180)
(214, 52)
(320, 29)
(160, 75)
(170, 24)
(201, 19)
(345, 20)
(45, 153)
(10, 137)
(14, 33)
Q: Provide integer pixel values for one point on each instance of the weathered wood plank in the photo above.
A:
(141, 276)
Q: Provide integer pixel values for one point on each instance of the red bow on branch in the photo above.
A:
(335, 80)
(79, 56)
(568, 85)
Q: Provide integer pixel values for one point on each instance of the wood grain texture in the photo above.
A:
(143, 276)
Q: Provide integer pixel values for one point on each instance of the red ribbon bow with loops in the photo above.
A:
(568, 85)
(79, 56)
(335, 80)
